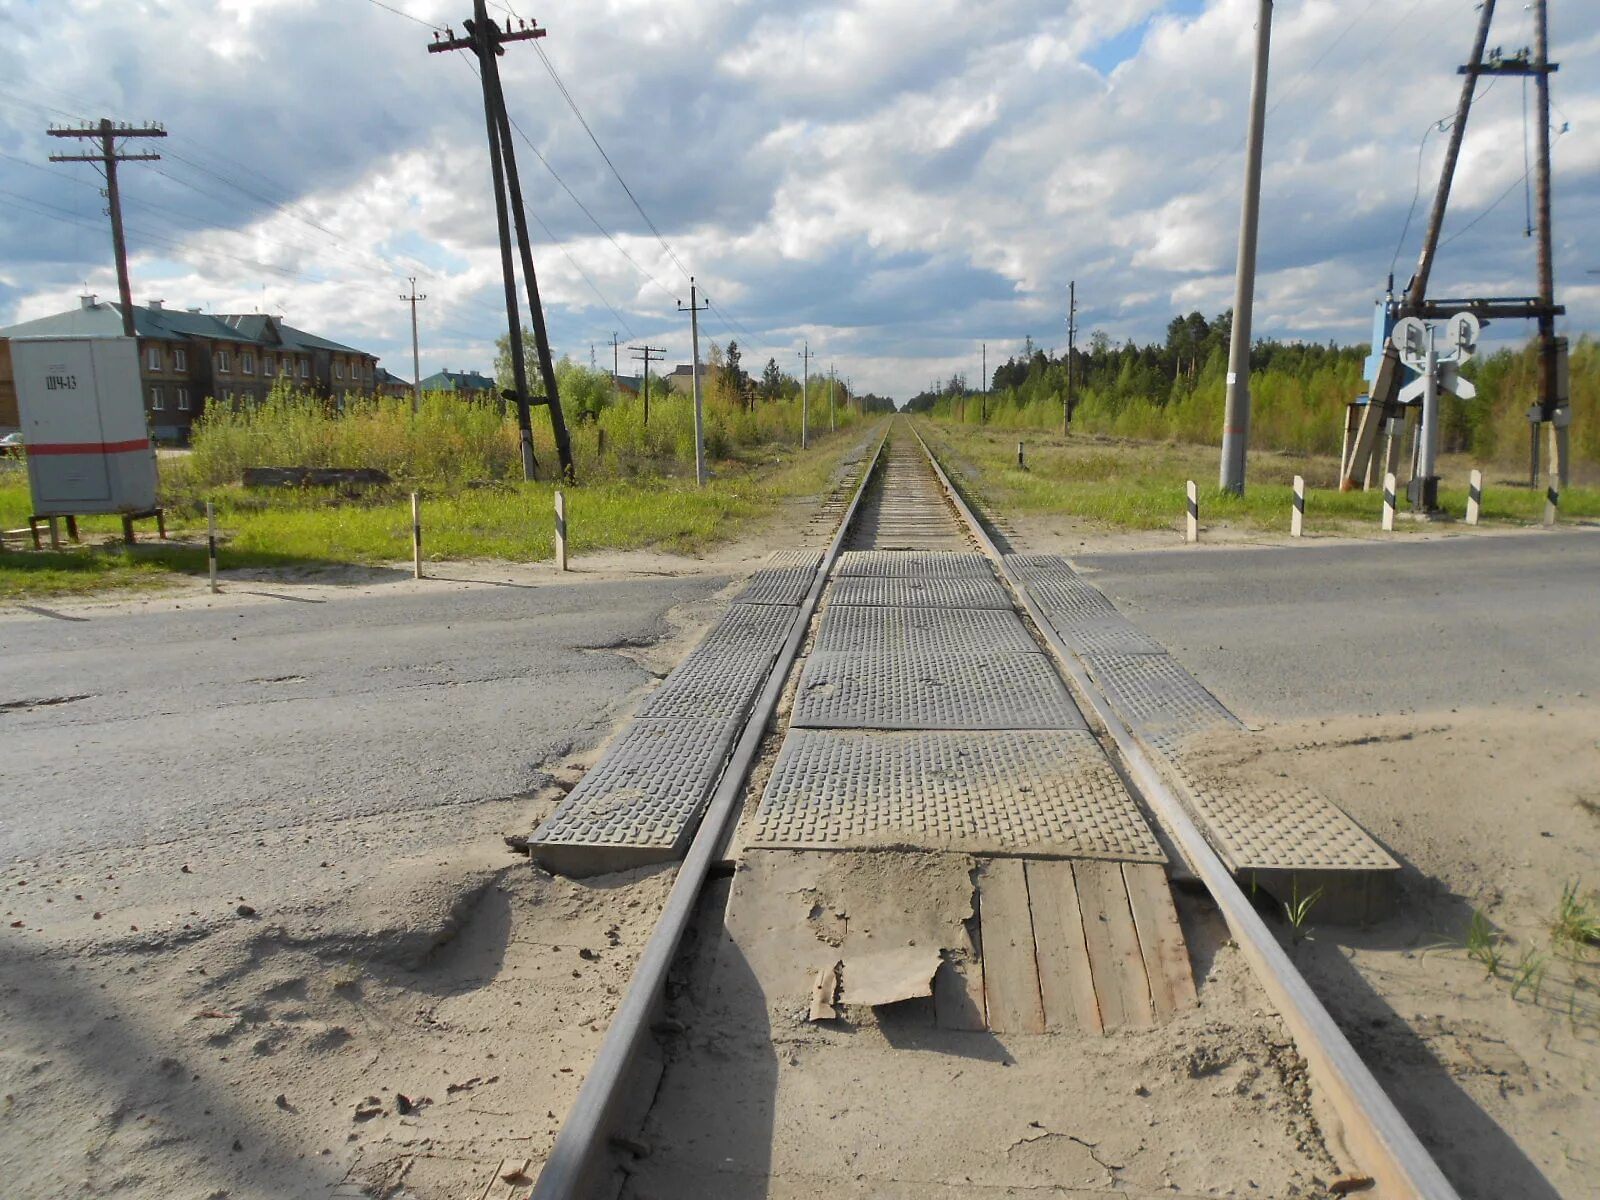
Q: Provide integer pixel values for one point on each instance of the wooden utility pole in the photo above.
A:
(615, 363)
(832, 379)
(649, 354)
(107, 133)
(416, 354)
(983, 402)
(487, 41)
(1236, 409)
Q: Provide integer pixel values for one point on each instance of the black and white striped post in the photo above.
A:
(1191, 528)
(1021, 465)
(1297, 517)
(1552, 501)
(561, 531)
(1474, 497)
(416, 536)
(1389, 486)
(211, 544)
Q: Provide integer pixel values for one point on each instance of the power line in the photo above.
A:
(573, 104)
(406, 15)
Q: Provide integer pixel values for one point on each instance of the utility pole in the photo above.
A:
(694, 310)
(487, 41)
(1236, 416)
(416, 356)
(831, 378)
(805, 398)
(983, 403)
(107, 132)
(614, 365)
(1072, 333)
(649, 354)
(1554, 407)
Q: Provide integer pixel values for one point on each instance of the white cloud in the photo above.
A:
(895, 181)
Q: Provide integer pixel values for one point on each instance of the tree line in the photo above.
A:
(1174, 390)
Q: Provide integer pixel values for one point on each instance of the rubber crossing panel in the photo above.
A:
(710, 683)
(863, 629)
(640, 803)
(915, 564)
(1049, 792)
(933, 691)
(919, 593)
(785, 579)
(749, 627)
(1157, 694)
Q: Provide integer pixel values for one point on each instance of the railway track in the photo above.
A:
(924, 895)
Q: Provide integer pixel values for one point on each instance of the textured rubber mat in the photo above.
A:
(1156, 693)
(1040, 567)
(711, 683)
(1276, 828)
(648, 789)
(1050, 792)
(785, 580)
(1108, 635)
(863, 629)
(749, 627)
(919, 593)
(1068, 602)
(914, 564)
(933, 691)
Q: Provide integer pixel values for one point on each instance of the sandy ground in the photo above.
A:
(1489, 811)
(298, 1012)
(758, 1101)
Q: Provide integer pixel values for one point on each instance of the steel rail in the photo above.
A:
(1382, 1142)
(578, 1156)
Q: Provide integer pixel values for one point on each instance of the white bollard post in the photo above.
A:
(1552, 501)
(1297, 517)
(1191, 530)
(1474, 496)
(1021, 465)
(416, 536)
(1388, 501)
(561, 531)
(211, 544)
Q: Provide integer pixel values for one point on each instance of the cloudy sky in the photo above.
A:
(894, 182)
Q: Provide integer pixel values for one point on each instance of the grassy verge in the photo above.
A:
(498, 520)
(1122, 484)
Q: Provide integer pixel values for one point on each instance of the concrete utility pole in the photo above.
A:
(832, 427)
(648, 354)
(487, 41)
(983, 402)
(694, 310)
(805, 386)
(416, 356)
(108, 158)
(614, 365)
(1072, 333)
(1236, 415)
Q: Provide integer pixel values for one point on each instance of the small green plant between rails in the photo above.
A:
(1120, 483)
(636, 489)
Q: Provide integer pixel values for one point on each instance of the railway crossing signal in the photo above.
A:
(1417, 343)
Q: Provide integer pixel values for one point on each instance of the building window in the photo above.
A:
(157, 400)
(223, 363)
(247, 363)
(305, 368)
(183, 399)
(338, 369)
(180, 359)
(153, 357)
(268, 364)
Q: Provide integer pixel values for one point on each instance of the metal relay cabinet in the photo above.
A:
(81, 406)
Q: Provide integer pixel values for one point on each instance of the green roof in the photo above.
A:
(457, 381)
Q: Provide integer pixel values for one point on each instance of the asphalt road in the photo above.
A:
(288, 707)
(1372, 627)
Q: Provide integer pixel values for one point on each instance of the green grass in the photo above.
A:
(509, 521)
(1123, 484)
